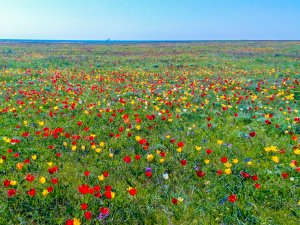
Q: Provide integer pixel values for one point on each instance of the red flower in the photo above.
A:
(6, 183)
(29, 177)
(127, 159)
(219, 172)
(174, 201)
(137, 157)
(208, 151)
(97, 188)
(83, 189)
(224, 159)
(183, 162)
(88, 215)
(254, 177)
(50, 189)
(70, 222)
(53, 169)
(284, 175)
(252, 134)
(11, 192)
(257, 186)
(105, 174)
(108, 188)
(31, 192)
(200, 173)
(86, 173)
(108, 194)
(180, 144)
(232, 198)
(104, 210)
(84, 206)
(54, 180)
(245, 175)
(132, 191)
(148, 173)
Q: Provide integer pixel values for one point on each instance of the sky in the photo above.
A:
(150, 19)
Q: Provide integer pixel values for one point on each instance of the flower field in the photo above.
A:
(150, 133)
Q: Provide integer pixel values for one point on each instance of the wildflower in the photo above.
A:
(101, 177)
(88, 215)
(132, 191)
(76, 221)
(235, 161)
(83, 189)
(271, 149)
(227, 171)
(11, 192)
(150, 157)
(232, 198)
(84, 206)
(198, 148)
(42, 180)
(275, 159)
(45, 192)
(104, 212)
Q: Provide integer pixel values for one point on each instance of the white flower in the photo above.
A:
(166, 176)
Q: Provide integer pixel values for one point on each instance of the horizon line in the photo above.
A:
(128, 40)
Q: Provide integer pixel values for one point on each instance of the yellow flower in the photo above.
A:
(101, 177)
(138, 127)
(45, 192)
(50, 164)
(13, 182)
(1, 161)
(271, 149)
(275, 159)
(98, 150)
(76, 221)
(150, 157)
(297, 151)
(179, 150)
(41, 123)
(25, 122)
(235, 161)
(219, 142)
(111, 155)
(65, 143)
(162, 160)
(82, 147)
(137, 138)
(74, 147)
(197, 148)
(180, 199)
(206, 161)
(34, 157)
(168, 136)
(249, 163)
(228, 165)
(101, 144)
(42, 180)
(113, 194)
(228, 171)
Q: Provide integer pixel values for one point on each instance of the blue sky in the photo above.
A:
(150, 19)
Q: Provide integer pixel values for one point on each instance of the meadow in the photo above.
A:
(150, 133)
